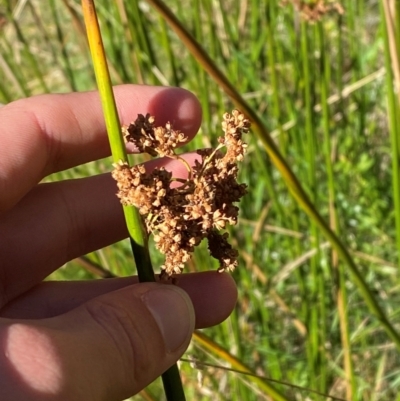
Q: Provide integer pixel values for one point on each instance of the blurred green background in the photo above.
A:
(319, 75)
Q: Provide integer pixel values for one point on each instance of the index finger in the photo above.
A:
(50, 133)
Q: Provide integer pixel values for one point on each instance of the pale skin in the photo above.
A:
(100, 339)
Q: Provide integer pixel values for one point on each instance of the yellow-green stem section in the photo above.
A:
(132, 217)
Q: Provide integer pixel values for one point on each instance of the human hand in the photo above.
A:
(100, 339)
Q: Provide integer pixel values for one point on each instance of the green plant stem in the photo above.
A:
(170, 378)
(314, 345)
(393, 79)
(338, 270)
(138, 238)
(276, 157)
(27, 51)
(117, 144)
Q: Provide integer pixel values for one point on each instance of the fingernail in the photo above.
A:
(173, 312)
(188, 106)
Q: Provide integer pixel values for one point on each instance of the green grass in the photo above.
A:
(324, 90)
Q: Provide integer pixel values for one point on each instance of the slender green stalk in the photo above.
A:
(27, 51)
(67, 70)
(5, 95)
(276, 370)
(167, 46)
(171, 378)
(201, 77)
(214, 44)
(138, 238)
(314, 345)
(129, 35)
(338, 270)
(325, 63)
(276, 109)
(300, 136)
(308, 109)
(393, 80)
(11, 71)
(289, 177)
(138, 22)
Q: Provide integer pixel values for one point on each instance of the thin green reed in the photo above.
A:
(11, 69)
(397, 25)
(124, 61)
(263, 164)
(394, 121)
(113, 32)
(66, 60)
(338, 268)
(134, 65)
(42, 30)
(274, 60)
(264, 168)
(76, 33)
(148, 54)
(166, 42)
(231, 30)
(30, 58)
(135, 59)
(275, 368)
(200, 79)
(228, 33)
(210, 27)
(275, 84)
(299, 68)
(325, 79)
(312, 315)
(308, 109)
(106, 11)
(6, 84)
(5, 95)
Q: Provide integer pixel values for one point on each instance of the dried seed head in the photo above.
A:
(181, 217)
(313, 11)
(153, 140)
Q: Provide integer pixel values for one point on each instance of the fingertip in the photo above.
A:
(213, 295)
(172, 309)
(176, 105)
(188, 105)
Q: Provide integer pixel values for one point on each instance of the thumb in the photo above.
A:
(109, 348)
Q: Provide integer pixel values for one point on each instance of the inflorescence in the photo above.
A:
(314, 11)
(181, 217)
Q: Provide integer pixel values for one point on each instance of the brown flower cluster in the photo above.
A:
(315, 10)
(155, 141)
(181, 217)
